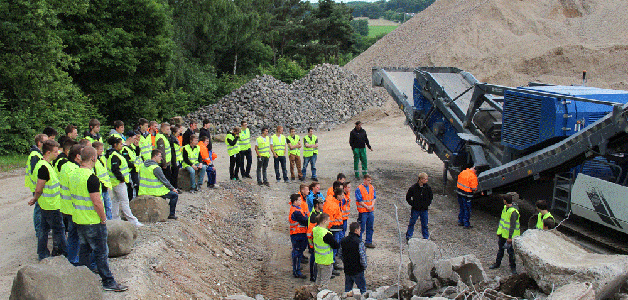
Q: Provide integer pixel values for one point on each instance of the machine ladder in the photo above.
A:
(561, 199)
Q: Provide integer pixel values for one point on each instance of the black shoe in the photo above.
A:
(116, 287)
(302, 178)
(314, 179)
(211, 186)
(299, 276)
(259, 183)
(468, 227)
(312, 279)
(247, 176)
(460, 224)
(513, 270)
(371, 246)
(266, 183)
(173, 217)
(494, 266)
(335, 273)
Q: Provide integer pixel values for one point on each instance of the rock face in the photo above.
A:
(120, 237)
(552, 260)
(327, 96)
(150, 209)
(422, 254)
(55, 278)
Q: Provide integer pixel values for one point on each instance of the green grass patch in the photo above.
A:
(12, 161)
(381, 30)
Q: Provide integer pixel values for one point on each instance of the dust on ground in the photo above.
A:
(234, 239)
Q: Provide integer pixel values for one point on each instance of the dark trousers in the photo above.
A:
(312, 265)
(174, 198)
(51, 220)
(234, 166)
(280, 160)
(72, 239)
(168, 173)
(93, 246)
(246, 155)
(133, 186)
(211, 175)
(464, 215)
(501, 242)
(37, 218)
(174, 173)
(366, 220)
(299, 243)
(414, 215)
(262, 166)
(359, 281)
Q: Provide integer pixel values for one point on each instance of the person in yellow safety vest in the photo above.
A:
(544, 214)
(294, 153)
(118, 130)
(192, 163)
(245, 149)
(177, 157)
(298, 221)
(233, 150)
(312, 219)
(278, 148)
(162, 143)
(72, 164)
(48, 196)
(365, 198)
(324, 243)
(30, 179)
(91, 221)
(93, 135)
(507, 230)
(153, 182)
(262, 149)
(131, 152)
(467, 185)
(119, 175)
(310, 153)
(103, 175)
(145, 140)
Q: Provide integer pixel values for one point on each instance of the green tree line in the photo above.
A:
(66, 61)
(393, 10)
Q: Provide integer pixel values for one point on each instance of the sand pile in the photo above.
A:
(512, 42)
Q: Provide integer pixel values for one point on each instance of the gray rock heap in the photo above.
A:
(327, 96)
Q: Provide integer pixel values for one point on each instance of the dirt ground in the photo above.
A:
(234, 239)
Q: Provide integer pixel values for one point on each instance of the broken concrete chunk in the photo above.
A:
(327, 295)
(552, 260)
(422, 254)
(576, 290)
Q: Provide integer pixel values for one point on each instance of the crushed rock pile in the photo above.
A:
(327, 96)
(512, 42)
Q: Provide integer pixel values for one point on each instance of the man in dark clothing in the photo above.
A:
(188, 133)
(507, 230)
(358, 142)
(354, 259)
(205, 132)
(420, 197)
(174, 164)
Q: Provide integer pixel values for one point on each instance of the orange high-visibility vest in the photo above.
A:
(296, 227)
(367, 198)
(345, 209)
(467, 183)
(332, 208)
(330, 192)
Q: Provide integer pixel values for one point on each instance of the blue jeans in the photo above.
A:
(337, 236)
(93, 246)
(308, 160)
(72, 240)
(51, 219)
(366, 220)
(299, 243)
(211, 175)
(280, 160)
(344, 227)
(174, 198)
(107, 203)
(414, 215)
(465, 210)
(359, 281)
(37, 218)
(201, 175)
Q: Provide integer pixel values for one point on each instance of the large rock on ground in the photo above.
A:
(469, 269)
(150, 209)
(55, 278)
(120, 237)
(422, 254)
(576, 290)
(553, 261)
(184, 180)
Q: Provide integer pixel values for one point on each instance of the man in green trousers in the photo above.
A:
(359, 141)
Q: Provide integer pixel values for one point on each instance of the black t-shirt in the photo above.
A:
(43, 173)
(93, 184)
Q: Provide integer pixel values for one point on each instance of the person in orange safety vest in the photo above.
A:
(298, 234)
(467, 185)
(365, 197)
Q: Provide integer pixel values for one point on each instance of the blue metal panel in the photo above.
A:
(420, 103)
(449, 137)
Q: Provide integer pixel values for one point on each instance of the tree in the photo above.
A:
(35, 91)
(361, 27)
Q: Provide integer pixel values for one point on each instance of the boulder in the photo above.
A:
(422, 254)
(121, 236)
(150, 209)
(469, 269)
(184, 180)
(55, 278)
(239, 297)
(553, 260)
(306, 292)
(576, 290)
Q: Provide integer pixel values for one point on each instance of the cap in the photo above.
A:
(358, 123)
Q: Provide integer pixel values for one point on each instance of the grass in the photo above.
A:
(379, 30)
(12, 161)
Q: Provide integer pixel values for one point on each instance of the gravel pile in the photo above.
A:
(327, 96)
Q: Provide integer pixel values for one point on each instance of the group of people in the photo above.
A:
(320, 223)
